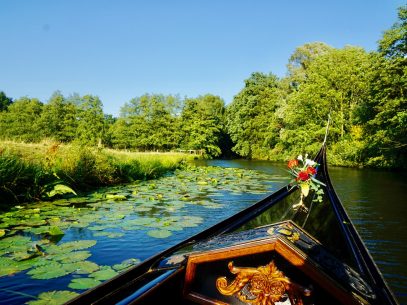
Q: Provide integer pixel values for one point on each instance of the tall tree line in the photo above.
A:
(270, 118)
(364, 93)
(79, 119)
(146, 123)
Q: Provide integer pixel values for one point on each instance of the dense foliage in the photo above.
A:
(270, 118)
(251, 117)
(364, 93)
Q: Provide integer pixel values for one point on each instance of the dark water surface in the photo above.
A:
(375, 201)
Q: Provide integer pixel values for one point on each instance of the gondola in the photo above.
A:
(285, 249)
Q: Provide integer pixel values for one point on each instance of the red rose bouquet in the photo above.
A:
(304, 171)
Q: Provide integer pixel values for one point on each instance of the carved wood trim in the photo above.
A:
(264, 285)
(288, 251)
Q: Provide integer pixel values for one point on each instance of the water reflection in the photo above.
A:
(377, 205)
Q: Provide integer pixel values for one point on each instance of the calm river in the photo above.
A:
(111, 229)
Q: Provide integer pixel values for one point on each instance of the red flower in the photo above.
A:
(303, 176)
(311, 171)
(292, 163)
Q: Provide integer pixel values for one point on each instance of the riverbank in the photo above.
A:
(31, 171)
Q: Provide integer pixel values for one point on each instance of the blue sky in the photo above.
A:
(120, 49)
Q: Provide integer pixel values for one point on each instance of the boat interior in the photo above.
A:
(273, 264)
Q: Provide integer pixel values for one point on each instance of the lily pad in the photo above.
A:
(104, 274)
(62, 202)
(48, 271)
(83, 283)
(32, 222)
(191, 221)
(114, 217)
(159, 233)
(14, 243)
(9, 270)
(116, 197)
(175, 227)
(54, 231)
(142, 209)
(109, 234)
(38, 230)
(53, 298)
(10, 267)
(140, 221)
(72, 257)
(77, 245)
(79, 224)
(84, 267)
(100, 227)
(126, 264)
(24, 255)
(50, 230)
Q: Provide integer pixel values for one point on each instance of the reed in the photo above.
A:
(29, 171)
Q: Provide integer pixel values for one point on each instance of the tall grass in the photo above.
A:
(28, 171)
(19, 180)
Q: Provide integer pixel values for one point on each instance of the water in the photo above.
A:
(374, 199)
(376, 202)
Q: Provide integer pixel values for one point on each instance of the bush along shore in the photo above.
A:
(42, 171)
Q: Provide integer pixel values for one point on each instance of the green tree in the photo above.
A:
(109, 121)
(301, 59)
(20, 120)
(394, 42)
(59, 118)
(336, 82)
(121, 134)
(202, 123)
(4, 101)
(160, 122)
(91, 121)
(251, 118)
(385, 114)
(149, 122)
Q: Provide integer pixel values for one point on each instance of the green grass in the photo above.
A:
(30, 171)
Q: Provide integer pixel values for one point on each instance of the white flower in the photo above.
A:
(300, 157)
(309, 162)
